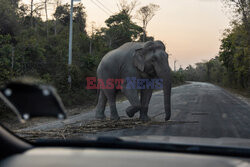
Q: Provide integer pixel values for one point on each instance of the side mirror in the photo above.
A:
(32, 100)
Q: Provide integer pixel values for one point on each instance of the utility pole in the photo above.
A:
(70, 39)
(175, 61)
(91, 38)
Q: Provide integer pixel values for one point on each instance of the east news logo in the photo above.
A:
(129, 82)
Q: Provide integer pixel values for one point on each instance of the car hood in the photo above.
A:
(223, 141)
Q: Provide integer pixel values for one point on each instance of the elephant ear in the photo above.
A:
(139, 59)
(139, 56)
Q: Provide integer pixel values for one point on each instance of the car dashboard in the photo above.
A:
(93, 157)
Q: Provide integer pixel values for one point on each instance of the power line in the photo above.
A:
(103, 9)
(100, 7)
(104, 6)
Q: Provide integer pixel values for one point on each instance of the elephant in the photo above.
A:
(146, 60)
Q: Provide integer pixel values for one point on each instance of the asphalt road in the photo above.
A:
(198, 110)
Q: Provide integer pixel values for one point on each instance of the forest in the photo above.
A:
(34, 45)
(231, 67)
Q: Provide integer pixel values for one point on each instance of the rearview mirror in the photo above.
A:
(29, 100)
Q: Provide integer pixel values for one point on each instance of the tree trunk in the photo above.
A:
(12, 58)
(144, 31)
(46, 12)
(31, 13)
(144, 36)
(90, 46)
(55, 28)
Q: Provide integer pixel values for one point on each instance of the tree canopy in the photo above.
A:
(33, 46)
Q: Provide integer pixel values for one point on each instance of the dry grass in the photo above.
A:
(92, 127)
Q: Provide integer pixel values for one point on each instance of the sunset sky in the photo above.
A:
(191, 29)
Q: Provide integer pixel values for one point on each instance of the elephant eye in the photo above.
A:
(153, 59)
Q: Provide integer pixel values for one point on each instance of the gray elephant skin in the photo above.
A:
(134, 59)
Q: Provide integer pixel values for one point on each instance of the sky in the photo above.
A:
(190, 29)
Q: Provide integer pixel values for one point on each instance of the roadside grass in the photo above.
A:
(244, 94)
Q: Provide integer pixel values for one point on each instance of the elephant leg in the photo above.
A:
(100, 108)
(145, 99)
(111, 95)
(133, 98)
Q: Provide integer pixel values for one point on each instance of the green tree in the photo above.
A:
(121, 29)
(8, 18)
(234, 54)
(5, 58)
(145, 14)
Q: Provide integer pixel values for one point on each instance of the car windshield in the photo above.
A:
(171, 71)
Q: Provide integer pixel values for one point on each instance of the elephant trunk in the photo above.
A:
(166, 76)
